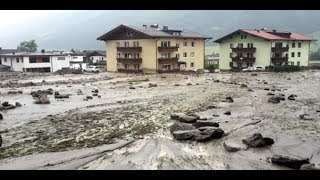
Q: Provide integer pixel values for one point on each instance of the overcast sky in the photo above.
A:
(79, 29)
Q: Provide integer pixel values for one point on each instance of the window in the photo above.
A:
(240, 55)
(165, 55)
(292, 54)
(298, 63)
(192, 44)
(118, 55)
(240, 45)
(293, 45)
(129, 33)
(191, 64)
(231, 64)
(299, 45)
(231, 45)
(178, 55)
(74, 57)
(17, 60)
(46, 59)
(250, 45)
(126, 44)
(61, 58)
(286, 55)
(299, 54)
(32, 60)
(118, 44)
(5, 59)
(126, 66)
(192, 54)
(185, 43)
(21, 60)
(165, 43)
(245, 36)
(136, 44)
(241, 36)
(185, 54)
(102, 58)
(177, 45)
(231, 55)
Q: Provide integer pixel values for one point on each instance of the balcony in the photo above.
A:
(168, 60)
(279, 60)
(279, 49)
(169, 48)
(244, 59)
(130, 60)
(129, 49)
(248, 49)
(130, 70)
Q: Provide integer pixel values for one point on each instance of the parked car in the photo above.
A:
(249, 69)
(259, 68)
(91, 69)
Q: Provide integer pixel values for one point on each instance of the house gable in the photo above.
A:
(123, 32)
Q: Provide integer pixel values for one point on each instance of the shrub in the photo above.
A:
(286, 68)
(211, 66)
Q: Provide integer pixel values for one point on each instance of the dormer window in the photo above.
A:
(176, 34)
(129, 33)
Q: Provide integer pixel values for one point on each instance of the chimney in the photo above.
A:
(43, 51)
(13, 53)
(145, 26)
(274, 31)
(165, 28)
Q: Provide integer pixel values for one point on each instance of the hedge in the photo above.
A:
(286, 68)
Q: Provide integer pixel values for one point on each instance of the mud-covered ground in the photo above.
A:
(76, 126)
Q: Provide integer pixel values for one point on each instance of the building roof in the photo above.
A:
(6, 51)
(270, 35)
(20, 54)
(157, 32)
(90, 52)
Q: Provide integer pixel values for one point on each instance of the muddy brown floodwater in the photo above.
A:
(129, 128)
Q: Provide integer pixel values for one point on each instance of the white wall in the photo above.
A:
(76, 59)
(59, 64)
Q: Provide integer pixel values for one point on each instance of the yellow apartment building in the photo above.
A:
(153, 49)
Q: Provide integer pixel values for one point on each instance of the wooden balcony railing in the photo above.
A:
(280, 49)
(169, 48)
(167, 60)
(248, 49)
(129, 49)
(130, 60)
(244, 59)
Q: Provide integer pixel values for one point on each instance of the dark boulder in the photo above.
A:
(185, 135)
(56, 93)
(201, 123)
(216, 81)
(257, 140)
(229, 99)
(99, 96)
(211, 107)
(152, 85)
(227, 113)
(183, 118)
(274, 99)
(176, 85)
(61, 96)
(250, 90)
(94, 94)
(18, 104)
(243, 86)
(95, 91)
(294, 162)
(254, 74)
(43, 99)
(131, 87)
(0, 140)
(215, 132)
(12, 92)
(291, 98)
(178, 126)
(270, 94)
(1, 117)
(6, 103)
(89, 97)
(189, 84)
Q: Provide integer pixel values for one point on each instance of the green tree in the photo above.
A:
(315, 55)
(28, 46)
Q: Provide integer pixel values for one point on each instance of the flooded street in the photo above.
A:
(137, 109)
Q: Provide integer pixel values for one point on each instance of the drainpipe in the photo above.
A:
(157, 54)
(51, 64)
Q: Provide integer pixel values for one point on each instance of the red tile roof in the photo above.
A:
(267, 34)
